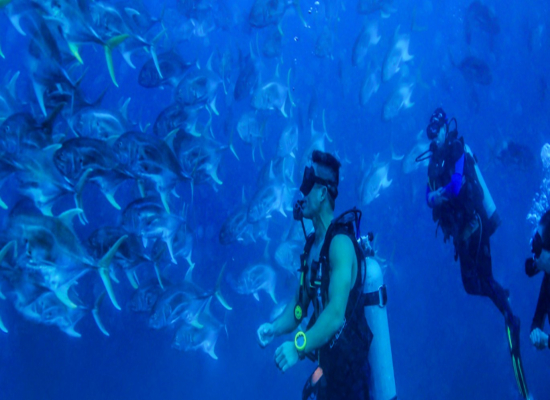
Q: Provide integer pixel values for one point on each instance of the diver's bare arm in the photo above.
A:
(286, 322)
(341, 256)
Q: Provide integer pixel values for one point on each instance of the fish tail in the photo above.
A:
(95, 313)
(109, 46)
(104, 270)
(218, 292)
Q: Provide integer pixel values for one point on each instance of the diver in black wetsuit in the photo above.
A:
(332, 278)
(464, 210)
(540, 247)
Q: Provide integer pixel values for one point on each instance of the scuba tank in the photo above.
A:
(488, 203)
(382, 379)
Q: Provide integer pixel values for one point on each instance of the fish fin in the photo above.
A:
(296, 4)
(39, 92)
(124, 108)
(73, 47)
(15, 21)
(385, 183)
(169, 138)
(71, 332)
(62, 293)
(104, 270)
(169, 244)
(212, 106)
(214, 176)
(231, 145)
(7, 248)
(159, 278)
(110, 196)
(3, 327)
(141, 187)
(256, 296)
(283, 108)
(132, 279)
(189, 273)
(164, 198)
(109, 46)
(95, 313)
(11, 86)
(67, 216)
(218, 292)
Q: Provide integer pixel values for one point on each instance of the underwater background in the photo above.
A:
(486, 65)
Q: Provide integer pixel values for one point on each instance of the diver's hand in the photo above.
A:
(539, 339)
(437, 197)
(286, 356)
(266, 333)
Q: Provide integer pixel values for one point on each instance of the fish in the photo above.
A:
(396, 56)
(273, 196)
(130, 254)
(39, 179)
(182, 246)
(373, 181)
(324, 43)
(475, 70)
(145, 297)
(198, 88)
(200, 158)
(171, 69)
(288, 142)
(409, 161)
(369, 86)
(185, 303)
(23, 131)
(479, 16)
(367, 37)
(400, 98)
(100, 123)
(174, 118)
(514, 154)
(247, 78)
(270, 96)
(148, 219)
(384, 7)
(56, 253)
(251, 131)
(256, 278)
(273, 44)
(190, 337)
(148, 158)
(287, 255)
(267, 12)
(49, 310)
(94, 158)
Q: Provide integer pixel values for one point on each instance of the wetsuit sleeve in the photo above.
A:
(453, 188)
(427, 196)
(543, 305)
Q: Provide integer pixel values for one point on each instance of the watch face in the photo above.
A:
(298, 312)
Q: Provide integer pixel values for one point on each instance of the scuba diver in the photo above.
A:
(347, 294)
(464, 210)
(540, 247)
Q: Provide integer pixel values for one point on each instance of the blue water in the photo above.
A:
(446, 344)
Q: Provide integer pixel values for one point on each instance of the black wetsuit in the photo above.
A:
(344, 359)
(464, 219)
(543, 305)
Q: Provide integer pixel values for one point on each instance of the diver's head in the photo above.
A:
(540, 247)
(320, 184)
(437, 128)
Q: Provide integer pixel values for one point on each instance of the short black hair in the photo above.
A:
(545, 223)
(329, 170)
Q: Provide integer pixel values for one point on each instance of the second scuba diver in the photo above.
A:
(464, 210)
(332, 279)
(540, 247)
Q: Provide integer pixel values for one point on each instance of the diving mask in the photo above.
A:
(310, 179)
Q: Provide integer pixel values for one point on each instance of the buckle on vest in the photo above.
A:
(382, 296)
